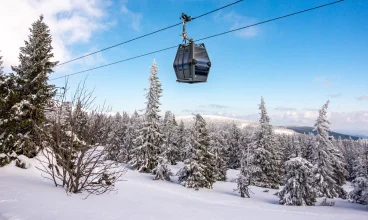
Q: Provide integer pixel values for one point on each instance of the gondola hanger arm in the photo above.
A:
(185, 19)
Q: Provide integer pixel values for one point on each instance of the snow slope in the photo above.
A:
(24, 194)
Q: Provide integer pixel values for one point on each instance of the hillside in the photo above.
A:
(25, 194)
(214, 119)
(306, 130)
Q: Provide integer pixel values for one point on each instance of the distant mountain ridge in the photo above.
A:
(240, 123)
(289, 130)
(306, 130)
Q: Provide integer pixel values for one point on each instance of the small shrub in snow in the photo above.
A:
(299, 189)
(266, 190)
(22, 162)
(326, 202)
(162, 172)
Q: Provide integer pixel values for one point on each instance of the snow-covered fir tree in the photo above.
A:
(299, 183)
(126, 138)
(243, 180)
(266, 165)
(162, 172)
(308, 143)
(199, 170)
(350, 152)
(181, 142)
(150, 140)
(218, 144)
(359, 194)
(32, 94)
(170, 131)
(234, 148)
(131, 136)
(117, 137)
(326, 161)
(339, 168)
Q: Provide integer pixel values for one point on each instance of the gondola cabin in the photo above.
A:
(192, 64)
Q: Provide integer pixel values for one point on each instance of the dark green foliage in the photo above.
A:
(199, 170)
(28, 94)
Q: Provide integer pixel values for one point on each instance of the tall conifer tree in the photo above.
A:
(199, 170)
(150, 140)
(266, 165)
(32, 94)
(326, 162)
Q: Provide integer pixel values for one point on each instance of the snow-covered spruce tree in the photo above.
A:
(116, 138)
(266, 165)
(360, 192)
(339, 168)
(234, 151)
(162, 172)
(326, 163)
(351, 152)
(131, 136)
(299, 183)
(33, 93)
(243, 180)
(217, 143)
(8, 97)
(124, 138)
(170, 131)
(199, 170)
(150, 140)
(307, 146)
(181, 142)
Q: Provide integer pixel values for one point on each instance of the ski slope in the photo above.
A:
(24, 194)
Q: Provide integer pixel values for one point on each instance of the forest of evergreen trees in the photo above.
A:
(80, 148)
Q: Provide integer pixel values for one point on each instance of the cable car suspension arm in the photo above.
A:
(185, 19)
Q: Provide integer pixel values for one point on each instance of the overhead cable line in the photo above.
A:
(215, 35)
(145, 35)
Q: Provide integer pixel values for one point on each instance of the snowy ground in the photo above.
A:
(24, 194)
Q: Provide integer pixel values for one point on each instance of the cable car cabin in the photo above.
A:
(192, 64)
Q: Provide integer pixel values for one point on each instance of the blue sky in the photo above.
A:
(296, 63)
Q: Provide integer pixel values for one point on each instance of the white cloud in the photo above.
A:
(239, 21)
(70, 22)
(339, 120)
(327, 81)
(335, 95)
(362, 98)
(133, 17)
(283, 108)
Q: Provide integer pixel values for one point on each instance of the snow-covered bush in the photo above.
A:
(162, 172)
(360, 192)
(299, 183)
(326, 202)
